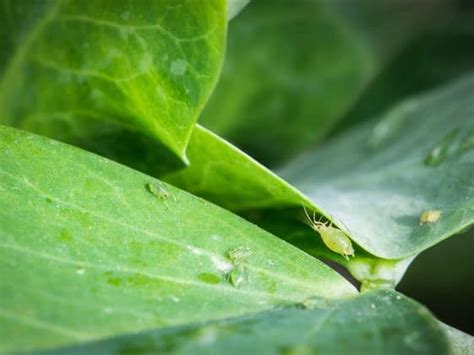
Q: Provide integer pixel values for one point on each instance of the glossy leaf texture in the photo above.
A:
(222, 173)
(88, 72)
(90, 248)
(293, 68)
(378, 323)
(403, 183)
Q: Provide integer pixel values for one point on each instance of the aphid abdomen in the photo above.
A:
(336, 240)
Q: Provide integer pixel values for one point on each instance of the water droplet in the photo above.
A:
(372, 306)
(237, 276)
(178, 67)
(80, 270)
(125, 15)
(430, 216)
(239, 253)
(398, 297)
(209, 278)
(391, 123)
(437, 155)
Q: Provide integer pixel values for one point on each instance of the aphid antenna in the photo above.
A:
(312, 221)
(308, 218)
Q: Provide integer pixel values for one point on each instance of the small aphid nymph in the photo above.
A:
(430, 216)
(334, 238)
(159, 191)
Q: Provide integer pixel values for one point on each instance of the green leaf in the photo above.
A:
(460, 342)
(89, 248)
(450, 49)
(222, 173)
(79, 70)
(404, 183)
(375, 323)
(293, 68)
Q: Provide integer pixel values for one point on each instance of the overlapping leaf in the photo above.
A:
(89, 248)
(292, 68)
(84, 71)
(383, 178)
(376, 323)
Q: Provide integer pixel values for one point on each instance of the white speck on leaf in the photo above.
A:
(125, 15)
(221, 265)
(178, 67)
(174, 298)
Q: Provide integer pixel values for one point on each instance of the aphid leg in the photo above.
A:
(310, 221)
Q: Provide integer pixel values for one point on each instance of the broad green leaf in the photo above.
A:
(375, 323)
(90, 248)
(382, 179)
(222, 173)
(293, 67)
(81, 70)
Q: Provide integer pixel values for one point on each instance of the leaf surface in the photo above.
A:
(90, 248)
(293, 68)
(403, 183)
(79, 70)
(376, 323)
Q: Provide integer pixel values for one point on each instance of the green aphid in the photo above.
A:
(334, 238)
(159, 191)
(239, 254)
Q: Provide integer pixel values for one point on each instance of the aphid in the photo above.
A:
(239, 253)
(238, 275)
(159, 191)
(430, 216)
(335, 239)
